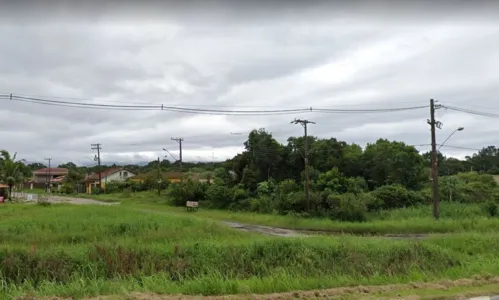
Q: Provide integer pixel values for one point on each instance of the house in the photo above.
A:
(45, 175)
(112, 174)
(170, 176)
(4, 192)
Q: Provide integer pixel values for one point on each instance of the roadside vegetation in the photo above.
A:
(149, 243)
(75, 251)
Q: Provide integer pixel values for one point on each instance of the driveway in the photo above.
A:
(78, 201)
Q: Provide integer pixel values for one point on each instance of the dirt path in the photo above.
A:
(77, 201)
(461, 289)
(265, 229)
(275, 231)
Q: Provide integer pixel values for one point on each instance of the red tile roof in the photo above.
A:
(52, 171)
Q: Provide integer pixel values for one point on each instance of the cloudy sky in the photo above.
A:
(231, 56)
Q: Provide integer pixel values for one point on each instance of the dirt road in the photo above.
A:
(302, 233)
(461, 289)
(265, 229)
(77, 201)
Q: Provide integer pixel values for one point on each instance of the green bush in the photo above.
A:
(219, 196)
(491, 208)
(187, 190)
(347, 207)
(263, 204)
(397, 196)
(67, 188)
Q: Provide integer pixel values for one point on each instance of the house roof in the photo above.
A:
(58, 179)
(104, 174)
(52, 171)
(3, 186)
(170, 175)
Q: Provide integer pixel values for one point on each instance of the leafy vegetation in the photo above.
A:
(91, 250)
(149, 242)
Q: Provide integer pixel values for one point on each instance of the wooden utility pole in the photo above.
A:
(179, 141)
(159, 177)
(304, 123)
(434, 158)
(48, 174)
(97, 158)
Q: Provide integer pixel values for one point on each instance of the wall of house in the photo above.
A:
(118, 176)
(43, 178)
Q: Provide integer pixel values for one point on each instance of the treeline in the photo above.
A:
(379, 163)
(346, 181)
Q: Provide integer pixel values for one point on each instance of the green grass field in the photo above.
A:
(455, 217)
(76, 251)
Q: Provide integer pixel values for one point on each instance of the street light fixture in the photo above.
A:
(458, 129)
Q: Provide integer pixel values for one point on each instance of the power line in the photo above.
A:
(192, 105)
(470, 111)
(162, 107)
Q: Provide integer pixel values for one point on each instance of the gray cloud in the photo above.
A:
(225, 55)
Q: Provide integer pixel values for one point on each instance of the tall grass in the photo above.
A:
(88, 250)
(455, 218)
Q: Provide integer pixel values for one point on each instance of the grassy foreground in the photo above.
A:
(78, 251)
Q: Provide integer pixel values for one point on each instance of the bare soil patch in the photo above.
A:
(78, 201)
(357, 292)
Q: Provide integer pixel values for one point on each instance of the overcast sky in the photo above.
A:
(238, 57)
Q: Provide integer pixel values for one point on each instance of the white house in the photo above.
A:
(113, 174)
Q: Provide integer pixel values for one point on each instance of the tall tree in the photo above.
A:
(12, 171)
(265, 153)
(394, 162)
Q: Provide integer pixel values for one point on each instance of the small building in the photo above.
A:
(49, 174)
(118, 174)
(44, 176)
(4, 191)
(170, 176)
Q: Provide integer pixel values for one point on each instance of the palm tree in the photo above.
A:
(12, 171)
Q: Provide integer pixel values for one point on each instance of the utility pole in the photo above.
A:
(48, 174)
(179, 141)
(159, 177)
(97, 158)
(304, 123)
(434, 158)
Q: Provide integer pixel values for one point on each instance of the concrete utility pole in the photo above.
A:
(434, 163)
(97, 158)
(179, 141)
(48, 174)
(304, 123)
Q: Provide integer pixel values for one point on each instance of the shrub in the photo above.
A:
(67, 188)
(219, 196)
(347, 207)
(187, 190)
(263, 204)
(491, 208)
(397, 196)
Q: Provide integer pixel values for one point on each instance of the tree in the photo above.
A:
(36, 166)
(388, 162)
(11, 170)
(69, 165)
(265, 153)
(486, 160)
